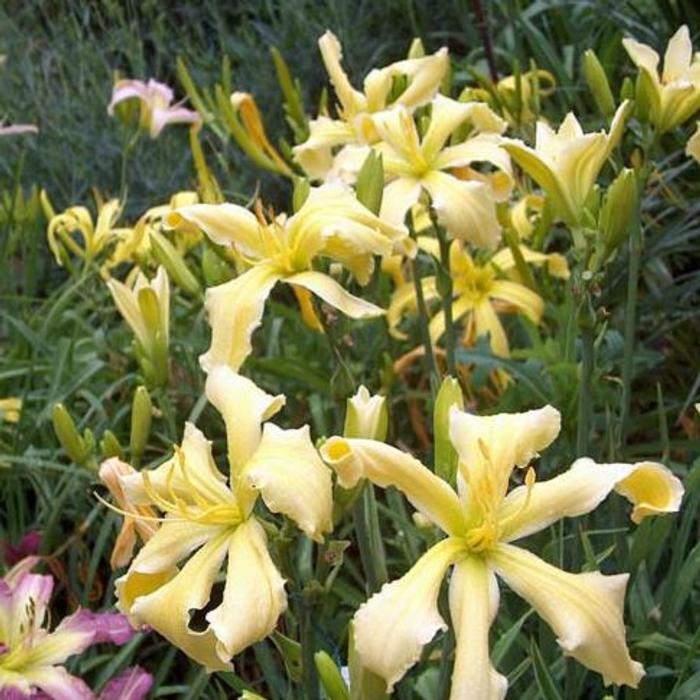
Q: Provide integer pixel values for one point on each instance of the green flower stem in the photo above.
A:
(635, 248)
(308, 648)
(369, 538)
(586, 322)
(445, 287)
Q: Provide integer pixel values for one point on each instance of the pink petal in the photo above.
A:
(28, 545)
(132, 684)
(112, 628)
(160, 118)
(58, 684)
(12, 129)
(126, 90)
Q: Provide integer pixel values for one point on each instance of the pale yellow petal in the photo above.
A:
(291, 478)
(396, 127)
(244, 407)
(445, 116)
(189, 476)
(315, 155)
(235, 310)
(332, 293)
(484, 148)
(650, 486)
(557, 266)
(642, 56)
(692, 148)
(351, 100)
(473, 605)
(523, 299)
(399, 196)
(128, 306)
(394, 625)
(485, 457)
(403, 301)
(465, 208)
(584, 610)
(385, 466)
(168, 608)
(226, 224)
(254, 596)
(487, 323)
(679, 53)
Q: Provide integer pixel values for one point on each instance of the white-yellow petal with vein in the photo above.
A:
(584, 610)
(287, 471)
(384, 465)
(254, 596)
(650, 486)
(244, 407)
(394, 625)
(235, 310)
(474, 601)
(332, 293)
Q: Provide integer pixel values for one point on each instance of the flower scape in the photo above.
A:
(399, 405)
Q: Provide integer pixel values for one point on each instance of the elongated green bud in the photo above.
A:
(598, 84)
(370, 182)
(366, 416)
(330, 676)
(174, 263)
(302, 187)
(141, 417)
(449, 395)
(110, 446)
(617, 212)
(75, 446)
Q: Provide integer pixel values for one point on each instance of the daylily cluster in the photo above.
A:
(482, 520)
(32, 657)
(208, 517)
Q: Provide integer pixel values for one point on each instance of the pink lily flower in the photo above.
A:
(157, 110)
(31, 656)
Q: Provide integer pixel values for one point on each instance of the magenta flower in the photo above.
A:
(28, 546)
(31, 657)
(157, 110)
(132, 684)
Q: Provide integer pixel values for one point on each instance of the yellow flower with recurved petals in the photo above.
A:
(354, 125)
(11, 409)
(331, 223)
(414, 165)
(209, 518)
(674, 96)
(566, 163)
(482, 520)
(479, 295)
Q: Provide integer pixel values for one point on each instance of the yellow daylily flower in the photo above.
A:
(354, 125)
(11, 409)
(413, 165)
(674, 96)
(692, 148)
(566, 163)
(78, 220)
(145, 306)
(482, 520)
(479, 294)
(134, 244)
(209, 517)
(540, 80)
(331, 223)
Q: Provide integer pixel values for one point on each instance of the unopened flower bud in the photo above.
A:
(331, 677)
(110, 446)
(141, 416)
(597, 82)
(449, 395)
(370, 182)
(69, 437)
(174, 263)
(302, 187)
(366, 416)
(619, 207)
